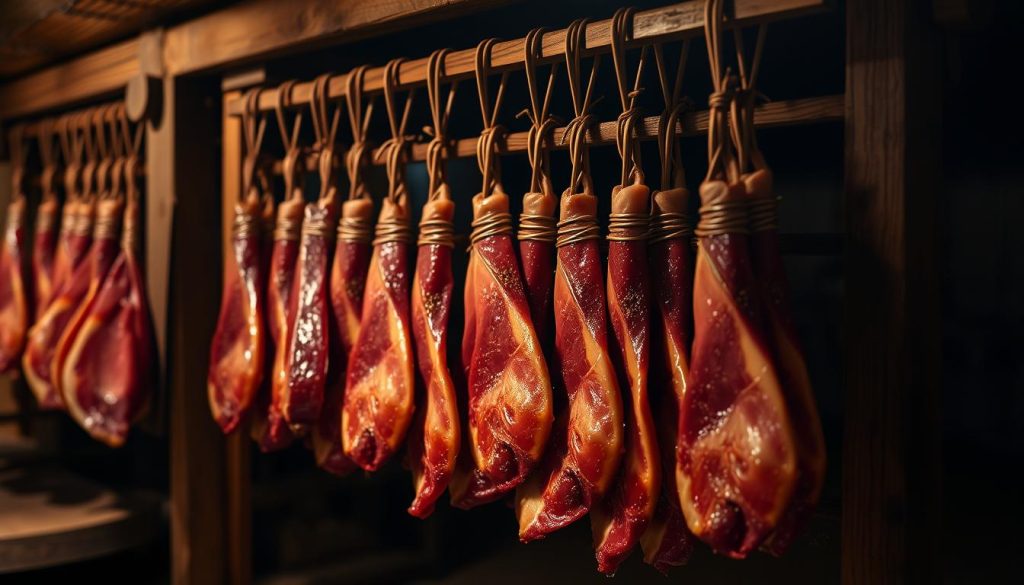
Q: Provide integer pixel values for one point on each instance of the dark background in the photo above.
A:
(309, 524)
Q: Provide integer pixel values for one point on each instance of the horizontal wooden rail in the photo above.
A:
(782, 113)
(677, 21)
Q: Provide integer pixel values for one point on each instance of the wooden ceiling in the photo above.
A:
(34, 33)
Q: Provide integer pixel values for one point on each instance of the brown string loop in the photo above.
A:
(672, 172)
(71, 148)
(742, 109)
(575, 41)
(254, 125)
(439, 115)
(394, 150)
(291, 165)
(90, 157)
(542, 124)
(763, 214)
(628, 227)
(669, 225)
(492, 137)
(359, 121)
(726, 217)
(19, 156)
(626, 138)
(491, 224)
(325, 129)
(720, 161)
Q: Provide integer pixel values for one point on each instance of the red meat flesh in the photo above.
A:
(13, 303)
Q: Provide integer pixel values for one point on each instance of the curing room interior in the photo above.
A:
(510, 291)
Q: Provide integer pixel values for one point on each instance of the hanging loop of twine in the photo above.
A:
(359, 120)
(439, 115)
(626, 138)
(290, 140)
(394, 151)
(672, 172)
(254, 126)
(492, 137)
(325, 128)
(576, 130)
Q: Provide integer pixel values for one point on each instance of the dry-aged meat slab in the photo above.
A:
(587, 441)
(435, 433)
(621, 518)
(13, 304)
(379, 387)
(44, 240)
(348, 281)
(236, 352)
(737, 452)
(107, 372)
(508, 396)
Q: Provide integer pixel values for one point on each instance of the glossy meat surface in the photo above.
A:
(622, 516)
(348, 281)
(107, 372)
(236, 352)
(379, 387)
(44, 244)
(538, 261)
(508, 398)
(13, 302)
(792, 369)
(434, 436)
(667, 541)
(308, 335)
(737, 460)
(588, 438)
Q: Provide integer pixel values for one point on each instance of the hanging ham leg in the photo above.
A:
(92, 273)
(13, 304)
(582, 463)
(789, 361)
(737, 454)
(620, 519)
(379, 385)
(434, 437)
(538, 255)
(107, 372)
(41, 346)
(43, 248)
(307, 335)
(509, 390)
(270, 429)
(236, 353)
(348, 279)
(667, 541)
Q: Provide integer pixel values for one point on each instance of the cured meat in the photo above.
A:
(348, 279)
(107, 372)
(621, 518)
(668, 541)
(537, 254)
(45, 239)
(509, 389)
(435, 435)
(236, 352)
(75, 300)
(588, 441)
(378, 401)
(789, 361)
(13, 305)
(434, 438)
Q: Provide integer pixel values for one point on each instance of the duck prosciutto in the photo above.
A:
(667, 542)
(434, 436)
(587, 442)
(508, 398)
(619, 520)
(348, 281)
(236, 352)
(737, 452)
(378, 403)
(107, 369)
(71, 273)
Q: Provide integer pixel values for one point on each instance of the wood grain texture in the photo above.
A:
(257, 29)
(104, 72)
(198, 449)
(673, 22)
(890, 447)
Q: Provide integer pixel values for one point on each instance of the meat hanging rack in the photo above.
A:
(669, 23)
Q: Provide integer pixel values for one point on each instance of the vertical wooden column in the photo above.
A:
(183, 160)
(239, 507)
(890, 499)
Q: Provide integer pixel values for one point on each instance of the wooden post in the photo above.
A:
(183, 160)
(890, 498)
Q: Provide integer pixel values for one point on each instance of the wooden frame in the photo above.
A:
(890, 451)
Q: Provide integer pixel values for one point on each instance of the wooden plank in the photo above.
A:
(198, 477)
(252, 30)
(781, 113)
(91, 76)
(239, 505)
(890, 507)
(673, 22)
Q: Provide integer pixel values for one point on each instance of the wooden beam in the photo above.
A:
(101, 73)
(199, 500)
(782, 113)
(890, 475)
(668, 23)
